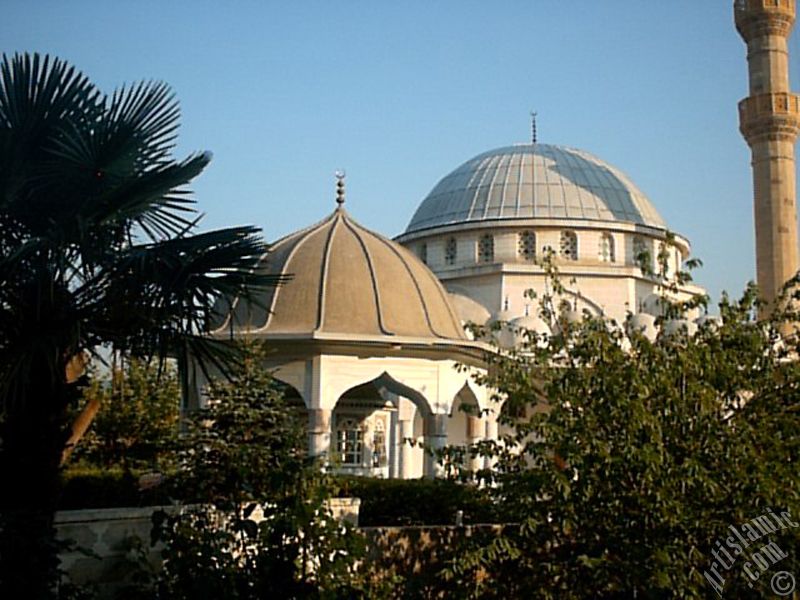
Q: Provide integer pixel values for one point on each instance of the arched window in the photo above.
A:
(450, 252)
(423, 252)
(569, 245)
(641, 253)
(350, 441)
(486, 248)
(526, 246)
(605, 251)
(379, 444)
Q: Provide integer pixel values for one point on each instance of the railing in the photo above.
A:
(777, 103)
(771, 115)
(777, 5)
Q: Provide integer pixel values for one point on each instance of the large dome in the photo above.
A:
(539, 181)
(348, 284)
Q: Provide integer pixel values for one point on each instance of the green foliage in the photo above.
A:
(632, 463)
(96, 248)
(400, 502)
(138, 416)
(102, 487)
(262, 528)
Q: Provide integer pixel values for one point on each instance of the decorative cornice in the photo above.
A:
(771, 116)
(758, 18)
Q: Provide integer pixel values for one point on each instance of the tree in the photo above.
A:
(96, 248)
(629, 464)
(245, 457)
(139, 407)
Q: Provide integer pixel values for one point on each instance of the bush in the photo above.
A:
(95, 487)
(397, 502)
(138, 415)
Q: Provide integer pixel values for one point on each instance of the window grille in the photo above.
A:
(569, 245)
(486, 249)
(526, 246)
(350, 441)
(450, 252)
(606, 249)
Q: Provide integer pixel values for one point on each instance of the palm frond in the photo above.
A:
(177, 282)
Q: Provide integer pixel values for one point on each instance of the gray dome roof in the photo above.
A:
(538, 181)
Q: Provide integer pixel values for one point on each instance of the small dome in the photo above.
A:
(347, 283)
(643, 324)
(511, 334)
(678, 326)
(534, 181)
(710, 321)
(468, 310)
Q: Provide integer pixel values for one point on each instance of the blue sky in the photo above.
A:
(400, 93)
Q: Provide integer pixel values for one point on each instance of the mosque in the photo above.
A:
(369, 332)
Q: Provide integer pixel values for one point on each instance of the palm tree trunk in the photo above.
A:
(33, 436)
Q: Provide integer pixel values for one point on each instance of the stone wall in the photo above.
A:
(104, 544)
(107, 544)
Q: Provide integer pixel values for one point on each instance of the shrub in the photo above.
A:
(95, 487)
(397, 502)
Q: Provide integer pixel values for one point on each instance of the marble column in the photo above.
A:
(435, 440)
(406, 451)
(492, 434)
(476, 430)
(319, 432)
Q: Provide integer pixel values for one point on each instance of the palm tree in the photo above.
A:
(96, 249)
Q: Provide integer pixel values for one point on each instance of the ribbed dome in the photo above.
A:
(347, 283)
(539, 181)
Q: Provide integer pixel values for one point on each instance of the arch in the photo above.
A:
(372, 427)
(466, 395)
(389, 383)
(291, 394)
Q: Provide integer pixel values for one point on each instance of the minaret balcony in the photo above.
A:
(755, 18)
(770, 116)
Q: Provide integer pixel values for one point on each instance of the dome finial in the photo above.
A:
(533, 127)
(340, 175)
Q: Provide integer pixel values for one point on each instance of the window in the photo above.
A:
(605, 251)
(641, 254)
(423, 252)
(486, 249)
(526, 246)
(569, 245)
(349, 441)
(450, 252)
(379, 444)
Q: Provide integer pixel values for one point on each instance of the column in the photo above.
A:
(319, 432)
(476, 430)
(394, 445)
(435, 439)
(491, 434)
(406, 451)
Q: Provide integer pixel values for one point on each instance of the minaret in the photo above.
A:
(769, 119)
